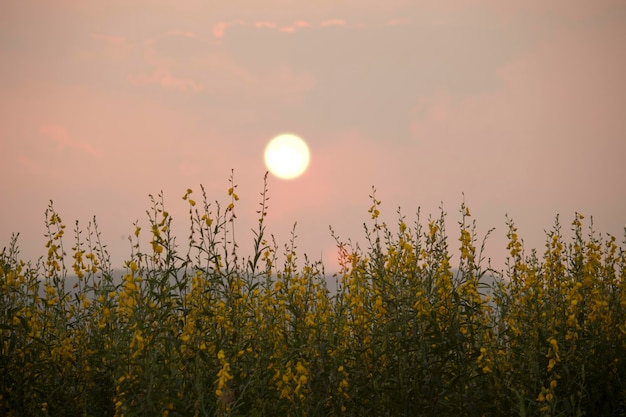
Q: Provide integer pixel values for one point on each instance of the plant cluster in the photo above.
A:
(195, 330)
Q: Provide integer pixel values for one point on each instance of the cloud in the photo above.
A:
(220, 28)
(333, 22)
(263, 24)
(186, 62)
(169, 55)
(165, 79)
(58, 134)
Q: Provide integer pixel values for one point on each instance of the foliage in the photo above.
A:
(197, 331)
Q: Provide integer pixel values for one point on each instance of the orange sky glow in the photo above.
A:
(518, 107)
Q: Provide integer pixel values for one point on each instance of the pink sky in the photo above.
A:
(520, 106)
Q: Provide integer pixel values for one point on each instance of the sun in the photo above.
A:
(287, 156)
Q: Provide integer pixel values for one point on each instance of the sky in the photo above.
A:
(517, 108)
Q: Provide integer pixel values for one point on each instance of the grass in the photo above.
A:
(195, 330)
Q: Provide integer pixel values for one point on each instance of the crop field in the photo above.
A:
(417, 326)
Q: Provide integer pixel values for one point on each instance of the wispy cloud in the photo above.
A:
(59, 135)
(220, 28)
(162, 77)
(269, 25)
(333, 22)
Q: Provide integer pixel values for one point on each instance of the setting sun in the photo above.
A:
(287, 156)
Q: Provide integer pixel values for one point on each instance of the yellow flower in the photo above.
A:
(551, 364)
(207, 220)
(223, 375)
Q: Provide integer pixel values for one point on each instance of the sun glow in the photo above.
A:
(287, 156)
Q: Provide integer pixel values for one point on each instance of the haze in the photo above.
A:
(520, 106)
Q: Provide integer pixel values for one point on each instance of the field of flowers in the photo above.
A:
(195, 330)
